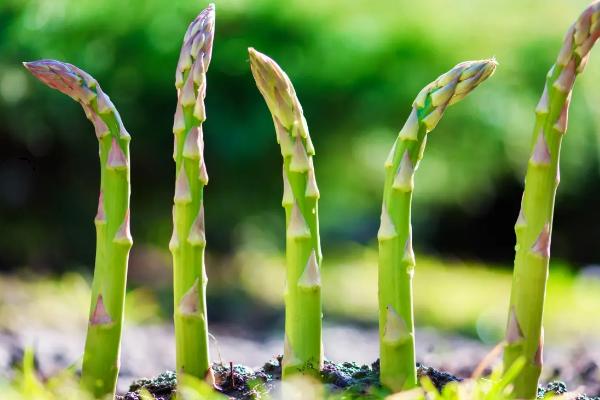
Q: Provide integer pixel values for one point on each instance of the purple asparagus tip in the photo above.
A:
(65, 78)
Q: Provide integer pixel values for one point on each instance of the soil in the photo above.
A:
(148, 350)
(239, 382)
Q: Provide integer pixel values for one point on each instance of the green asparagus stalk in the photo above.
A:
(113, 238)
(188, 240)
(396, 257)
(303, 346)
(524, 334)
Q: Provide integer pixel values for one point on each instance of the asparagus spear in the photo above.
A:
(113, 239)
(303, 346)
(396, 258)
(188, 241)
(524, 335)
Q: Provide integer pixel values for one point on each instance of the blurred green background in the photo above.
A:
(356, 66)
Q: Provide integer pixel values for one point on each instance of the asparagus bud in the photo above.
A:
(524, 334)
(396, 258)
(113, 239)
(188, 241)
(303, 347)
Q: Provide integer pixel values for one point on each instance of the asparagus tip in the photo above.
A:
(197, 45)
(450, 88)
(64, 77)
(278, 91)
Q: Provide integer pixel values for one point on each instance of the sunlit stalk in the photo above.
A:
(525, 335)
(188, 240)
(113, 239)
(396, 257)
(303, 347)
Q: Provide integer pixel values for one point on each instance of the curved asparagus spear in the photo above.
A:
(113, 239)
(188, 241)
(303, 347)
(396, 258)
(533, 229)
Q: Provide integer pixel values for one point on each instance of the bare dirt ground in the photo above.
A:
(149, 350)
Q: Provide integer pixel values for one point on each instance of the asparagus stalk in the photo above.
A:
(188, 241)
(303, 346)
(524, 334)
(113, 238)
(396, 257)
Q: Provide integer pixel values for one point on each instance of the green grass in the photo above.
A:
(467, 297)
(62, 303)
